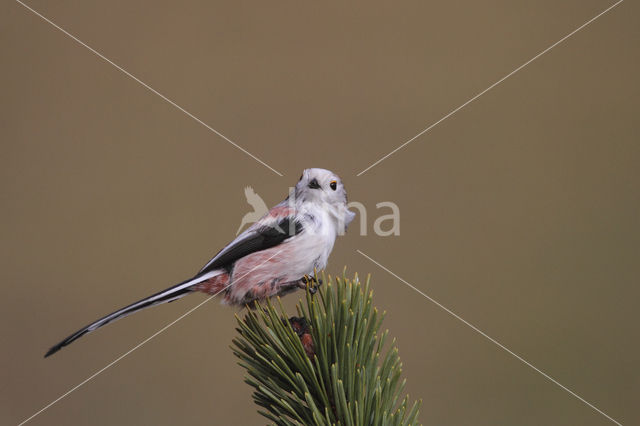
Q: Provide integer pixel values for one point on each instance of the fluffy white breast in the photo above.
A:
(320, 233)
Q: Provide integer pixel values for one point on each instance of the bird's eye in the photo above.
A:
(333, 185)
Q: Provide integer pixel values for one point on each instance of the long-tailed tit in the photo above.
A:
(277, 254)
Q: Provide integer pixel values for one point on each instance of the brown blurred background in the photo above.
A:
(520, 212)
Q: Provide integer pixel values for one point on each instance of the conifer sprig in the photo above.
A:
(332, 369)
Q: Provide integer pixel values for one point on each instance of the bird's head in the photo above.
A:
(324, 188)
(320, 185)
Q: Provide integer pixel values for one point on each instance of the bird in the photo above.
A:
(259, 208)
(276, 255)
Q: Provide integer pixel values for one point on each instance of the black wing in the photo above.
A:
(261, 238)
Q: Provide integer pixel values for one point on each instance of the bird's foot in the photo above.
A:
(308, 282)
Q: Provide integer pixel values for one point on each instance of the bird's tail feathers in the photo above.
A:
(168, 295)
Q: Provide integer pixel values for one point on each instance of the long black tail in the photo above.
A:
(172, 293)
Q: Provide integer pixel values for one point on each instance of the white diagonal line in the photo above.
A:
(145, 85)
(494, 341)
(94, 375)
(491, 87)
